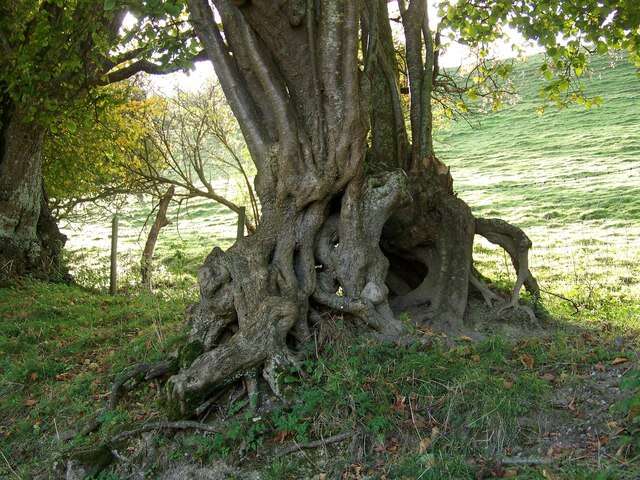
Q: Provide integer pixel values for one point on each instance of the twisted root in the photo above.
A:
(516, 243)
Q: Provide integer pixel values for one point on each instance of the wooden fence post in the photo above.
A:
(242, 215)
(113, 282)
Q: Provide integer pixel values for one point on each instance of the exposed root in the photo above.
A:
(354, 269)
(258, 298)
(517, 307)
(243, 352)
(137, 374)
(149, 427)
(516, 243)
(489, 296)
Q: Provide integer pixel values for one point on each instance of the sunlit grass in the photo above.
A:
(570, 178)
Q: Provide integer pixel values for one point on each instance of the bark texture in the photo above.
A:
(30, 241)
(367, 226)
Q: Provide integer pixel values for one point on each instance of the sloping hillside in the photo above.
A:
(570, 177)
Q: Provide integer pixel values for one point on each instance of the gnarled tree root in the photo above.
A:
(516, 243)
(263, 341)
(408, 239)
(137, 374)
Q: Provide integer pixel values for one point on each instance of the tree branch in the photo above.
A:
(146, 66)
(230, 79)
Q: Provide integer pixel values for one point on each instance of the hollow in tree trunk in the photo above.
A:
(368, 228)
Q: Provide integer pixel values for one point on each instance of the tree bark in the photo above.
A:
(146, 263)
(30, 242)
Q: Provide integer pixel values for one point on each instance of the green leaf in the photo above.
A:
(172, 8)
(109, 4)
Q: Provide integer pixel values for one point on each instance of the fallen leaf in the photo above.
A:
(379, 448)
(399, 403)
(600, 367)
(33, 376)
(475, 358)
(465, 338)
(527, 361)
(508, 384)
(64, 376)
(425, 443)
(549, 377)
(30, 402)
(619, 360)
(435, 431)
(587, 336)
(281, 436)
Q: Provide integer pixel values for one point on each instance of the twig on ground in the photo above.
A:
(574, 304)
(525, 461)
(315, 444)
(9, 465)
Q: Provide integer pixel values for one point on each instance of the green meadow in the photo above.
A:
(565, 401)
(570, 178)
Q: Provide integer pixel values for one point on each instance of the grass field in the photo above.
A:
(571, 178)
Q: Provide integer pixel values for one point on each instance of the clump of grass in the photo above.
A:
(60, 346)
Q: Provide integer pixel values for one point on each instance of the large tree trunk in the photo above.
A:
(367, 232)
(30, 241)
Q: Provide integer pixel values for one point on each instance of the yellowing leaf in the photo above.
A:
(619, 360)
(527, 361)
(425, 443)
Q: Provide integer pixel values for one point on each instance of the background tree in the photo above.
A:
(87, 154)
(161, 221)
(192, 144)
(54, 53)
